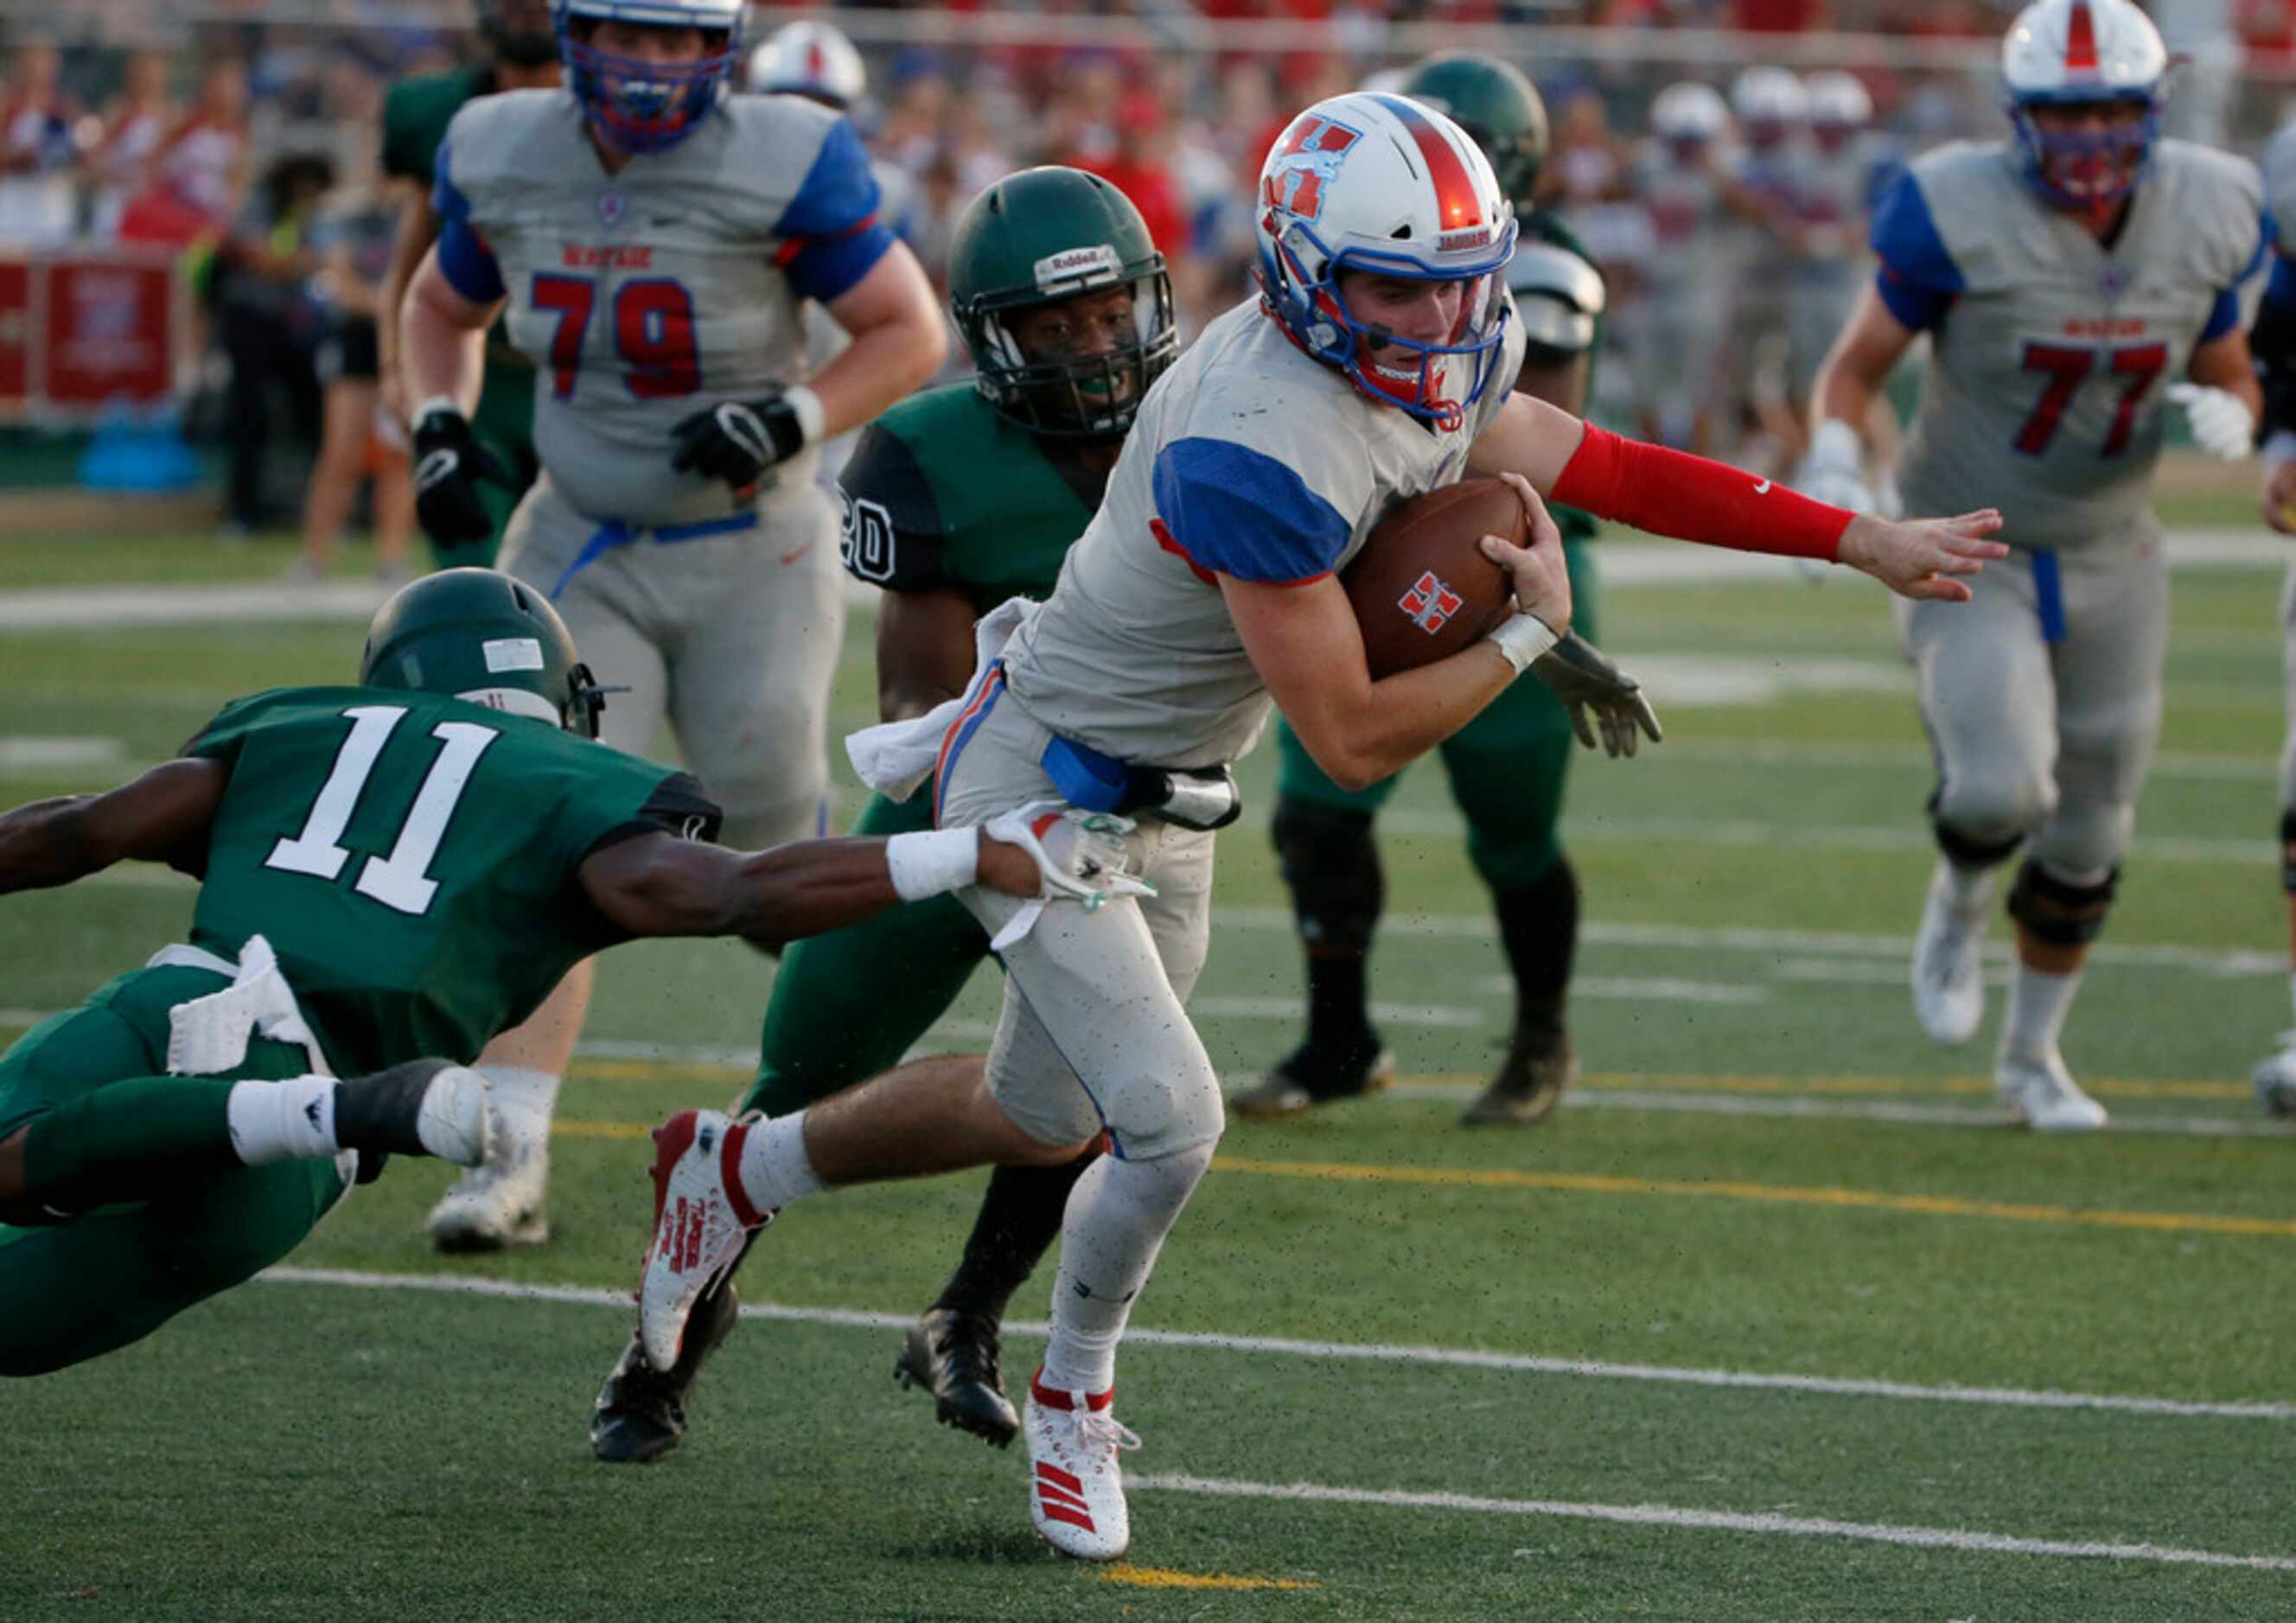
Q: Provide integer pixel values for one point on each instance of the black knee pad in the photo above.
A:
(2288, 851)
(2062, 915)
(1331, 868)
(1965, 852)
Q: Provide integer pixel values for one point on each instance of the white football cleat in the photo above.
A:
(496, 1204)
(1076, 1488)
(700, 1222)
(2043, 1094)
(2275, 1079)
(1948, 973)
(455, 1122)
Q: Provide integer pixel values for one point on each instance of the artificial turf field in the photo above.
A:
(1776, 1321)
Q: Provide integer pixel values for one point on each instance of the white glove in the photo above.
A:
(2222, 424)
(1833, 471)
(1082, 855)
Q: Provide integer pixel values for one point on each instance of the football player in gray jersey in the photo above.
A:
(2273, 340)
(1373, 368)
(655, 241)
(2060, 276)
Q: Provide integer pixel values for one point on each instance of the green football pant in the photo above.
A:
(96, 1283)
(1507, 767)
(848, 1005)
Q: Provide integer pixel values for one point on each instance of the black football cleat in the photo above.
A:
(1312, 1075)
(955, 1357)
(641, 1410)
(1537, 1068)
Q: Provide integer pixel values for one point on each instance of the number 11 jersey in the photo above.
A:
(2052, 351)
(413, 859)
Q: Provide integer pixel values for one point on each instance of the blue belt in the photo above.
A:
(614, 533)
(1094, 782)
(2048, 593)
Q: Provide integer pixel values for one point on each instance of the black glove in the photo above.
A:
(1583, 677)
(738, 440)
(449, 462)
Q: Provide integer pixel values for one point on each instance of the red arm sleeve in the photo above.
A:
(1669, 493)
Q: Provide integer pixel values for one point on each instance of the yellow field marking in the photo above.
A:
(1943, 1206)
(1721, 1189)
(704, 1070)
(1164, 1578)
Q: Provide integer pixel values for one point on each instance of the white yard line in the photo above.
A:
(18, 754)
(2010, 1397)
(1723, 1521)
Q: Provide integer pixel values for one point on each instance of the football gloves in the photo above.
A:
(449, 462)
(739, 442)
(2221, 422)
(1583, 677)
(1081, 854)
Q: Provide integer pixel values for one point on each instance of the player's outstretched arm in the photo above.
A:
(659, 885)
(162, 816)
(899, 341)
(1669, 493)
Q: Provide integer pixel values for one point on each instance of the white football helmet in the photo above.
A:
(1771, 103)
(809, 59)
(1382, 184)
(2078, 52)
(641, 106)
(1689, 113)
(1838, 100)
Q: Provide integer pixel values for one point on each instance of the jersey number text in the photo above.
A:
(2068, 369)
(397, 881)
(653, 334)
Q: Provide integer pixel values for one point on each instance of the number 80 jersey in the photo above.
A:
(644, 296)
(413, 859)
(2052, 351)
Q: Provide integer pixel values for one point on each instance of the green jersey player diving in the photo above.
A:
(390, 873)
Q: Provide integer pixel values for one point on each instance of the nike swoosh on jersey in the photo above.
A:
(1763, 488)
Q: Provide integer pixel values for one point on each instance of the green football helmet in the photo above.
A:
(1499, 108)
(520, 32)
(480, 634)
(1034, 239)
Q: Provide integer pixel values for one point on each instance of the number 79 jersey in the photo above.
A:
(413, 859)
(644, 296)
(2050, 351)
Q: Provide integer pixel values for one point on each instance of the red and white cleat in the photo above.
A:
(700, 1220)
(1076, 1489)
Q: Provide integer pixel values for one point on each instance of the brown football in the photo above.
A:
(1421, 586)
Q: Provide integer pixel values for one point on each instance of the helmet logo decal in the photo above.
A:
(1311, 153)
(1455, 186)
(511, 653)
(2081, 40)
(1083, 266)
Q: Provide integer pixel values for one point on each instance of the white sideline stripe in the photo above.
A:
(21, 754)
(2010, 1397)
(1724, 1521)
(2228, 768)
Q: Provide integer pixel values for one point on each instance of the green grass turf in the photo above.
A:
(305, 1451)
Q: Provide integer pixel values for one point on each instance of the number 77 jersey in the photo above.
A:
(2052, 352)
(413, 859)
(643, 296)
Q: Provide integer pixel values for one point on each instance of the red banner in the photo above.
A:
(16, 338)
(84, 329)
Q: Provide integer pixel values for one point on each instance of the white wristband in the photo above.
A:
(436, 403)
(806, 405)
(933, 863)
(1523, 638)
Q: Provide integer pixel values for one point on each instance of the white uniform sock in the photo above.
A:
(523, 1100)
(2038, 1003)
(1968, 890)
(774, 1167)
(1118, 1216)
(280, 1121)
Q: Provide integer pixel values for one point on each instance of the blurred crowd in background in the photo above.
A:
(1715, 155)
